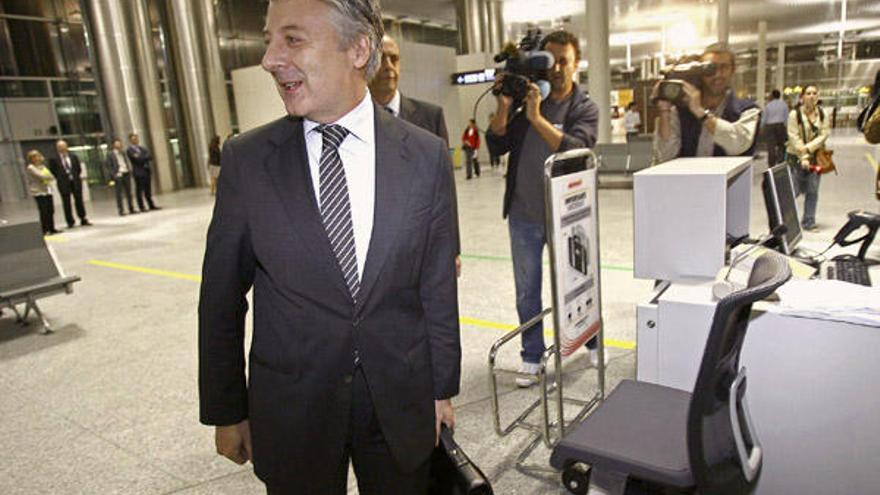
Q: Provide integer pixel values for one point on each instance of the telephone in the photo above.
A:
(858, 218)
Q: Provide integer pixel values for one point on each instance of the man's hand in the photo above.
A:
(457, 266)
(694, 99)
(234, 442)
(805, 163)
(533, 103)
(444, 414)
(504, 102)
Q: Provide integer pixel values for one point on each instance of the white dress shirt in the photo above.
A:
(358, 154)
(394, 104)
(121, 163)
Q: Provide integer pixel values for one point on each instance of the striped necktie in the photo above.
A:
(335, 206)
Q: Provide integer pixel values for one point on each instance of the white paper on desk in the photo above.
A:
(830, 300)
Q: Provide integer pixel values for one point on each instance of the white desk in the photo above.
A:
(813, 387)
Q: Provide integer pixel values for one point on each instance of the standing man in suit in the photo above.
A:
(384, 88)
(119, 167)
(140, 158)
(339, 218)
(67, 169)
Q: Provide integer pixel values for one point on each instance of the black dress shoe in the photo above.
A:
(71, 225)
(86, 223)
(121, 213)
(155, 208)
(53, 232)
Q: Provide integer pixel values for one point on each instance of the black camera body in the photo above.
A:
(523, 65)
(671, 88)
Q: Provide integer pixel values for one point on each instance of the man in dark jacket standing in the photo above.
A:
(67, 169)
(141, 159)
(563, 120)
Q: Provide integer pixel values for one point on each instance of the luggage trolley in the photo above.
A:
(572, 230)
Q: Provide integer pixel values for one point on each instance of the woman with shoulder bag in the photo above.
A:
(808, 130)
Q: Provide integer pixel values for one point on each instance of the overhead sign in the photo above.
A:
(473, 77)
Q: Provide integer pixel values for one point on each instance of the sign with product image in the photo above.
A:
(573, 217)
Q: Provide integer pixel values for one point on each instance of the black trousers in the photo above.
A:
(777, 136)
(47, 213)
(77, 193)
(374, 467)
(143, 190)
(123, 186)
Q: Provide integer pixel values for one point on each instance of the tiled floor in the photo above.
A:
(108, 403)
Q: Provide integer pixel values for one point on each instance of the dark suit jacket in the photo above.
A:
(267, 233)
(113, 164)
(140, 159)
(65, 185)
(430, 117)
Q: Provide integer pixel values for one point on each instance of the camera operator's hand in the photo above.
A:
(498, 124)
(504, 102)
(663, 106)
(694, 99)
(533, 103)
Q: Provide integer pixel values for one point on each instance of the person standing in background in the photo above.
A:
(140, 160)
(494, 159)
(632, 121)
(119, 167)
(470, 144)
(808, 130)
(39, 180)
(214, 162)
(67, 170)
(774, 123)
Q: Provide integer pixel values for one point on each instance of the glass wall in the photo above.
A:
(47, 89)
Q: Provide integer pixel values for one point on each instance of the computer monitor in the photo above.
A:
(779, 199)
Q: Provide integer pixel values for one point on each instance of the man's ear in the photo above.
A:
(359, 53)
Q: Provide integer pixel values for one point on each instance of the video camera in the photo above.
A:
(524, 64)
(671, 88)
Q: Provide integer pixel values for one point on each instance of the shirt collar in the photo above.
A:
(359, 121)
(394, 104)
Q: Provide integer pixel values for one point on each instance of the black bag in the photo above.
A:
(452, 472)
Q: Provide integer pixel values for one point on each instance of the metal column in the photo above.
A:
(599, 70)
(469, 25)
(761, 83)
(192, 75)
(164, 176)
(494, 26)
(724, 21)
(214, 69)
(780, 67)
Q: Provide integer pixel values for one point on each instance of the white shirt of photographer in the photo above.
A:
(734, 137)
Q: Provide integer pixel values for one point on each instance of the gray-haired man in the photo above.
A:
(339, 218)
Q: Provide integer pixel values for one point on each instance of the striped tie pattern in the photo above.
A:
(335, 206)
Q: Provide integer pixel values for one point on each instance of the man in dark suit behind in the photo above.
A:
(339, 218)
(141, 160)
(67, 169)
(384, 88)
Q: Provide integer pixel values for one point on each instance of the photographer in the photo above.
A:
(709, 120)
(565, 120)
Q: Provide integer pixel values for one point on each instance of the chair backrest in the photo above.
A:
(724, 453)
(641, 154)
(612, 157)
(24, 257)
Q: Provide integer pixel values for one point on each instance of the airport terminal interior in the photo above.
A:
(108, 400)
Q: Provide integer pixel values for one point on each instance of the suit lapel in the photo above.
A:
(292, 179)
(393, 181)
(407, 112)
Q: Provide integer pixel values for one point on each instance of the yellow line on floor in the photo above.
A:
(148, 271)
(620, 344)
(56, 238)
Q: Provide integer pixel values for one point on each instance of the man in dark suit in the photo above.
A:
(339, 218)
(384, 88)
(67, 169)
(141, 158)
(119, 168)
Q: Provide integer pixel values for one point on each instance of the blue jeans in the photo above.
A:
(527, 241)
(807, 183)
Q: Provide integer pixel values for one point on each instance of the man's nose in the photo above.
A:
(272, 58)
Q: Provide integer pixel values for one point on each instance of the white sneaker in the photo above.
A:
(531, 369)
(594, 357)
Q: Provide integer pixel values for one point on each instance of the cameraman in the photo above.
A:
(566, 119)
(712, 121)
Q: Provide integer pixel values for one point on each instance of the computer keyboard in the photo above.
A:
(849, 270)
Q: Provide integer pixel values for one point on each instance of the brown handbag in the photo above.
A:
(824, 161)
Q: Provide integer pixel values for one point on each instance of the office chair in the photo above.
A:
(671, 440)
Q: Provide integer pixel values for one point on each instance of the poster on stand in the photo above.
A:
(573, 213)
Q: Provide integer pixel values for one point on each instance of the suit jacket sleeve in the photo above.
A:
(441, 128)
(438, 287)
(227, 276)
(582, 127)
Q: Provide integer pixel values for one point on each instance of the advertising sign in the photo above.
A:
(573, 213)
